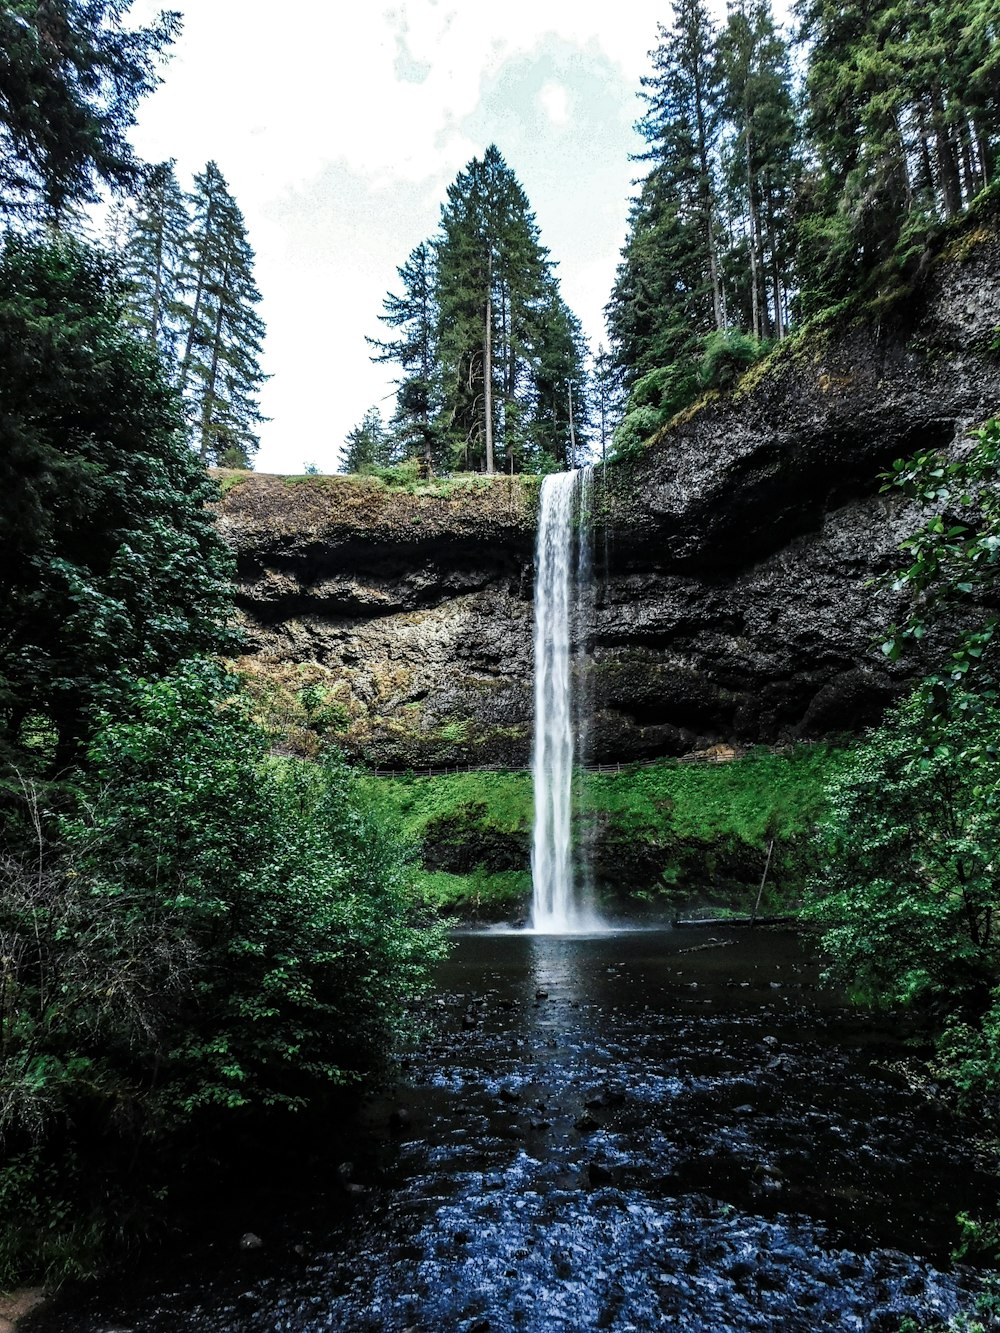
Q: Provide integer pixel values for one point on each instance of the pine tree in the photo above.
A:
(668, 293)
(681, 126)
(492, 360)
(493, 282)
(605, 398)
(660, 305)
(71, 76)
(368, 445)
(415, 315)
(560, 407)
(903, 124)
(151, 259)
(760, 161)
(220, 374)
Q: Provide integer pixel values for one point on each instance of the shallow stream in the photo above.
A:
(636, 1131)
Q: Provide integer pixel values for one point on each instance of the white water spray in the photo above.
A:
(561, 565)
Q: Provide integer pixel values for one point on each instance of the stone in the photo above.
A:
(735, 562)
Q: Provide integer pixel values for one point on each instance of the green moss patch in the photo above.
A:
(663, 834)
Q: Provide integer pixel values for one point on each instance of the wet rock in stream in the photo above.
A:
(620, 1157)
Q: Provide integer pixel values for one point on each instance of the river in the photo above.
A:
(635, 1131)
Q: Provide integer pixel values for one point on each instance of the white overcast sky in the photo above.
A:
(339, 127)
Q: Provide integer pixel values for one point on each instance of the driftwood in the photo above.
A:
(728, 922)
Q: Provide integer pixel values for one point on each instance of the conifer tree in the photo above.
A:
(492, 361)
(681, 126)
(368, 445)
(902, 122)
(760, 161)
(493, 282)
(414, 349)
(220, 374)
(71, 76)
(152, 255)
(560, 407)
(668, 291)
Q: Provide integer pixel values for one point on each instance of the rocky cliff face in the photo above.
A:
(734, 557)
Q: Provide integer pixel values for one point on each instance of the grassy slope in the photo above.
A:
(664, 833)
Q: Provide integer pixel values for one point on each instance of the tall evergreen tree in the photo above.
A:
(112, 565)
(681, 126)
(414, 316)
(668, 292)
(760, 161)
(152, 255)
(71, 75)
(902, 122)
(493, 284)
(220, 374)
(560, 403)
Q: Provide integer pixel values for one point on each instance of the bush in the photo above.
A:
(218, 936)
(635, 429)
(908, 892)
(727, 356)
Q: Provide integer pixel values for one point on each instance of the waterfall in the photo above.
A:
(561, 902)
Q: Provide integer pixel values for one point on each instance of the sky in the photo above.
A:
(339, 128)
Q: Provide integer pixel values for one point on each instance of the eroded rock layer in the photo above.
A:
(735, 558)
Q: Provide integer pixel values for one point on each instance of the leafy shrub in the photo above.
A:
(717, 362)
(635, 429)
(218, 936)
(908, 893)
(726, 357)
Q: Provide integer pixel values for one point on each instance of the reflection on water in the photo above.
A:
(628, 1132)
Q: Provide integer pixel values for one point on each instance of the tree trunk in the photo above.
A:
(755, 266)
(572, 433)
(488, 369)
(923, 139)
(951, 190)
(154, 323)
(708, 204)
(206, 405)
(968, 164)
(985, 152)
(198, 295)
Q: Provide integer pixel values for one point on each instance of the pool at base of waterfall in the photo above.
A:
(636, 1131)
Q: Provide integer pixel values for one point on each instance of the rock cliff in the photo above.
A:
(735, 556)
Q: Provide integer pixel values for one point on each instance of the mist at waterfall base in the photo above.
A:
(562, 884)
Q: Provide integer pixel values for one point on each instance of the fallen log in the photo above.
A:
(727, 922)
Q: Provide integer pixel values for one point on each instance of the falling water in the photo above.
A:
(562, 567)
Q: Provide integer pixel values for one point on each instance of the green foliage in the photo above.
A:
(71, 76)
(715, 363)
(217, 937)
(907, 895)
(367, 448)
(955, 556)
(219, 372)
(728, 355)
(636, 429)
(753, 210)
(152, 260)
(113, 567)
